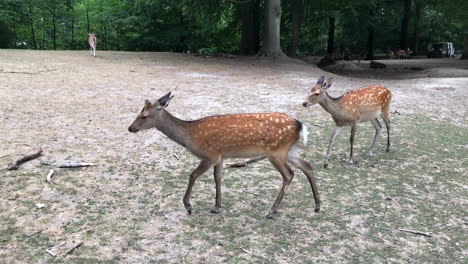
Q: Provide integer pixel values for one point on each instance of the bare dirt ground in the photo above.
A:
(128, 209)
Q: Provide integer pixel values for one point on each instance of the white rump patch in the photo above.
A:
(304, 133)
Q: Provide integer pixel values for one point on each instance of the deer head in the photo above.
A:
(150, 114)
(318, 91)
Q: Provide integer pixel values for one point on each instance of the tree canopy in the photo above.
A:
(232, 26)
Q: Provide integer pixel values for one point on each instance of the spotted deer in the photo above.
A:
(351, 108)
(92, 43)
(402, 54)
(391, 54)
(215, 138)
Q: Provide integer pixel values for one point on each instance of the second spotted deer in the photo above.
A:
(351, 108)
(216, 138)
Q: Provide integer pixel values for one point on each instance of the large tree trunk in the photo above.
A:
(370, 36)
(54, 33)
(271, 36)
(404, 24)
(331, 35)
(250, 27)
(370, 42)
(72, 44)
(33, 32)
(297, 15)
(418, 7)
(87, 15)
(465, 50)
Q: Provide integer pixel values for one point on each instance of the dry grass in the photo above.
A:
(129, 208)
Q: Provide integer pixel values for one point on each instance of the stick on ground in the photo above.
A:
(428, 234)
(18, 162)
(73, 248)
(71, 164)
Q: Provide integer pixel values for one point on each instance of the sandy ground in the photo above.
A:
(79, 108)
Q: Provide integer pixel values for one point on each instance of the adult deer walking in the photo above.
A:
(353, 107)
(215, 138)
(92, 43)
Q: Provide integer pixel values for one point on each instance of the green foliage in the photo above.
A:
(214, 25)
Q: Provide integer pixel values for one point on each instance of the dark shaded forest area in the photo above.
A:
(295, 27)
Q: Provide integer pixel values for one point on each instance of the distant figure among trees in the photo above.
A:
(92, 43)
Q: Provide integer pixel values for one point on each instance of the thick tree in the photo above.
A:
(418, 8)
(250, 26)
(331, 34)
(271, 34)
(405, 24)
(297, 16)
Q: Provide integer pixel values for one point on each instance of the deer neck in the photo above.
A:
(332, 105)
(173, 127)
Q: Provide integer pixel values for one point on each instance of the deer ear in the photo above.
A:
(320, 80)
(164, 101)
(328, 83)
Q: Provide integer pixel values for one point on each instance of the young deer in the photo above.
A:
(215, 138)
(353, 107)
(92, 43)
(402, 54)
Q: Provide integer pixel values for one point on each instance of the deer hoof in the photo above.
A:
(325, 165)
(370, 154)
(215, 211)
(269, 216)
(350, 162)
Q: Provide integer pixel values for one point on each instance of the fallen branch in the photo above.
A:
(49, 176)
(167, 194)
(428, 234)
(22, 160)
(318, 125)
(71, 164)
(34, 233)
(73, 248)
(49, 250)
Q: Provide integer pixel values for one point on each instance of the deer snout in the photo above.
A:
(305, 104)
(132, 129)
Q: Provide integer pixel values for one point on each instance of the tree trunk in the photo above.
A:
(331, 35)
(33, 32)
(418, 7)
(87, 15)
(465, 49)
(271, 36)
(250, 27)
(297, 16)
(72, 44)
(54, 33)
(370, 42)
(104, 37)
(371, 35)
(404, 25)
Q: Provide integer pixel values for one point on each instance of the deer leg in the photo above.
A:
(335, 133)
(307, 169)
(202, 168)
(351, 140)
(288, 175)
(377, 127)
(386, 119)
(218, 176)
